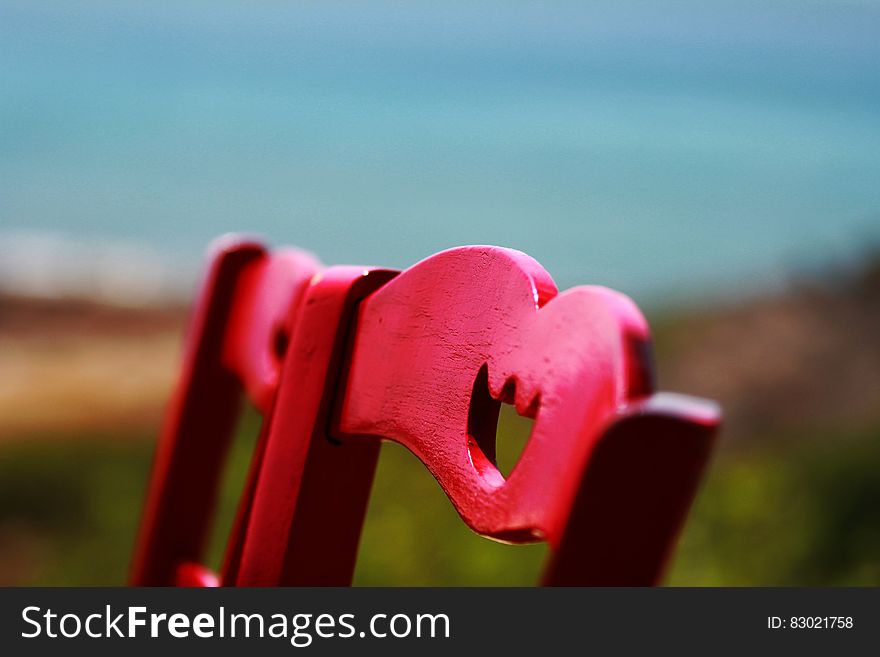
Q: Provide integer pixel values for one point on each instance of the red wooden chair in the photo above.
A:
(239, 329)
(425, 358)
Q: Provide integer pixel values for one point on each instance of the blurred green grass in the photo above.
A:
(804, 512)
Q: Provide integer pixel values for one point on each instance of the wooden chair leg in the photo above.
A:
(311, 491)
(636, 491)
(197, 432)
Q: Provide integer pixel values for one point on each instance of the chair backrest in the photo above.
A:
(425, 358)
(239, 329)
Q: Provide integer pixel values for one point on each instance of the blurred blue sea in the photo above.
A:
(669, 151)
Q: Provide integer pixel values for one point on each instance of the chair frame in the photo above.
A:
(425, 358)
(247, 303)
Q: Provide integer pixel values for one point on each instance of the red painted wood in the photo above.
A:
(425, 359)
(570, 365)
(311, 492)
(608, 472)
(634, 494)
(195, 575)
(267, 299)
(439, 346)
(247, 297)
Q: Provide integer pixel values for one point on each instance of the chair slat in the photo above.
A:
(247, 294)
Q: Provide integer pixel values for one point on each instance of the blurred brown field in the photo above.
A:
(792, 497)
